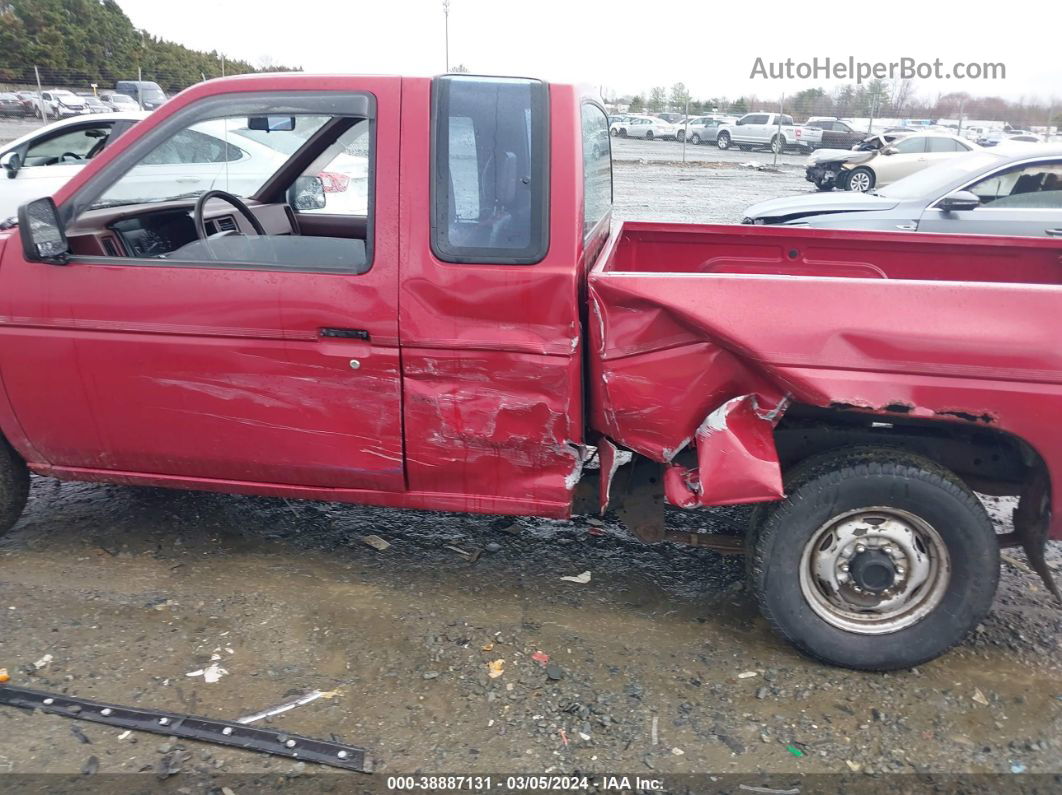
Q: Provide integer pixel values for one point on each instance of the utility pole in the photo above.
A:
(139, 88)
(40, 99)
(778, 134)
(446, 30)
(685, 127)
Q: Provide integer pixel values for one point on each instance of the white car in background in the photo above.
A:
(904, 157)
(40, 162)
(60, 103)
(209, 155)
(647, 127)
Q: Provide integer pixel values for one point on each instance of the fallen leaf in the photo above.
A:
(581, 579)
(495, 668)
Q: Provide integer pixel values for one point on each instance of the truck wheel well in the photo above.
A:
(987, 459)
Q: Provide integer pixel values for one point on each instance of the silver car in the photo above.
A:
(1013, 191)
(704, 129)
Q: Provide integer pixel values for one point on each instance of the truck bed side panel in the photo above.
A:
(981, 352)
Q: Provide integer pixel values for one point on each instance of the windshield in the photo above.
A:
(939, 176)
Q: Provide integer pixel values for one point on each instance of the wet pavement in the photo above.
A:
(659, 664)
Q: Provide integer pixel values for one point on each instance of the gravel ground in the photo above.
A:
(659, 665)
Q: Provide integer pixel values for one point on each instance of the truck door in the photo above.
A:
(249, 358)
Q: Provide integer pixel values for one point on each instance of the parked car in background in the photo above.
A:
(29, 100)
(146, 94)
(899, 159)
(996, 137)
(11, 105)
(647, 127)
(41, 162)
(704, 129)
(836, 134)
(58, 103)
(119, 102)
(986, 192)
(755, 130)
(93, 104)
(826, 167)
(674, 118)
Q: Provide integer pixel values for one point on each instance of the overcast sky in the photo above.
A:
(626, 46)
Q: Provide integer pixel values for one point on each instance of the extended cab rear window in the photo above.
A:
(490, 167)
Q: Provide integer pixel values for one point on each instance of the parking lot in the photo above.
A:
(122, 594)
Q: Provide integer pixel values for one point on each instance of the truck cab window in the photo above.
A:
(597, 166)
(489, 174)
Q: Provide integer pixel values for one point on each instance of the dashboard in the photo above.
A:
(155, 234)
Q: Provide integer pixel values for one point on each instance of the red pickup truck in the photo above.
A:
(422, 301)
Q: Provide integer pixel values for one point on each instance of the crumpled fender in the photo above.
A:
(737, 461)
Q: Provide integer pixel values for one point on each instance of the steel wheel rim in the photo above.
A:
(860, 182)
(918, 556)
(776, 145)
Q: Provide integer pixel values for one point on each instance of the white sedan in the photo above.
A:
(906, 156)
(208, 155)
(647, 127)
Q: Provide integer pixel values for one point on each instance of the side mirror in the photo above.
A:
(271, 123)
(958, 201)
(43, 235)
(11, 162)
(888, 150)
(308, 193)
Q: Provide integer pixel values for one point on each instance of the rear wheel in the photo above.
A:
(877, 559)
(648, 135)
(695, 139)
(623, 132)
(778, 144)
(860, 179)
(613, 132)
(680, 136)
(723, 141)
(14, 486)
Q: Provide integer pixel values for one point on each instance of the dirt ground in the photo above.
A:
(658, 666)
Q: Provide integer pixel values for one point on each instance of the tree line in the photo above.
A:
(93, 41)
(876, 98)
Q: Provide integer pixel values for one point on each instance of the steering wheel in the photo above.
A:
(72, 155)
(197, 215)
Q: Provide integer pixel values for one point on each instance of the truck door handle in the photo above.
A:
(344, 333)
(907, 227)
(1053, 232)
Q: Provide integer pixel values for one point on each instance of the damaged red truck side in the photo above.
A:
(477, 335)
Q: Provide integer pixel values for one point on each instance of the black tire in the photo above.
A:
(862, 177)
(695, 139)
(778, 144)
(723, 140)
(831, 486)
(623, 132)
(14, 486)
(824, 184)
(648, 135)
(680, 136)
(613, 132)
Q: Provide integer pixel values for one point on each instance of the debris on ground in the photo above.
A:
(4, 676)
(1017, 767)
(554, 672)
(979, 697)
(540, 657)
(794, 750)
(747, 675)
(211, 674)
(495, 668)
(298, 701)
(43, 661)
(488, 646)
(581, 579)
(471, 555)
(375, 542)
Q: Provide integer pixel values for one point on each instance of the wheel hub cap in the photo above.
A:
(875, 570)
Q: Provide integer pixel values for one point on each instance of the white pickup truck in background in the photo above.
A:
(775, 130)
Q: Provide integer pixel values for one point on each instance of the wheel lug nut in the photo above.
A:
(857, 589)
(844, 567)
(900, 570)
(860, 548)
(842, 577)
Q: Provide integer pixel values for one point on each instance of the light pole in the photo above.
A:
(446, 27)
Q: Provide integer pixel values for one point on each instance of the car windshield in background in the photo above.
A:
(939, 176)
